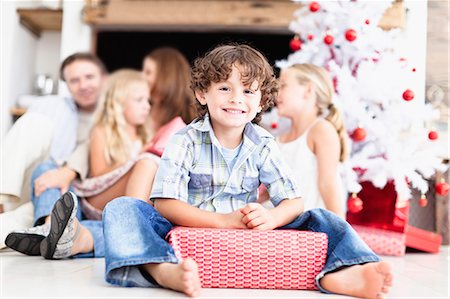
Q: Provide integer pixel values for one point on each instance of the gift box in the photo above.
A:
(433, 217)
(382, 242)
(244, 258)
(422, 240)
(381, 208)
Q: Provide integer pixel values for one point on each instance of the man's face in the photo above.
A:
(84, 80)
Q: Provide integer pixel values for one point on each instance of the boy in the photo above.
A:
(209, 176)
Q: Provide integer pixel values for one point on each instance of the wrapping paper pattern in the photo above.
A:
(233, 258)
(382, 242)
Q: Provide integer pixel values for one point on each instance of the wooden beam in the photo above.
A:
(40, 19)
(194, 15)
(197, 15)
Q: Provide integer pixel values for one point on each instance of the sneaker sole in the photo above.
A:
(28, 244)
(60, 217)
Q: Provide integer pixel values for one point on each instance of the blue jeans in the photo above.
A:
(44, 203)
(139, 238)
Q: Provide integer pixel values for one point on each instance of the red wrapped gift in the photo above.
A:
(245, 258)
(382, 241)
(422, 240)
(381, 208)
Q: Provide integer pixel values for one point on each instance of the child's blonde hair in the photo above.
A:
(309, 73)
(110, 115)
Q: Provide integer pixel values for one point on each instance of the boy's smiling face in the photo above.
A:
(231, 105)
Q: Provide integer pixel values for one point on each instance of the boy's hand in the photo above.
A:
(258, 217)
(233, 220)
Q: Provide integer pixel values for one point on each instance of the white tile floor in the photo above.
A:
(417, 275)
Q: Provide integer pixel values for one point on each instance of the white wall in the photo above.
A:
(48, 54)
(75, 35)
(23, 55)
(18, 47)
(415, 45)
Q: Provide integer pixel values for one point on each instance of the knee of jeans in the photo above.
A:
(119, 205)
(325, 214)
(43, 167)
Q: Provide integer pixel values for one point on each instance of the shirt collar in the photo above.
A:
(71, 102)
(202, 124)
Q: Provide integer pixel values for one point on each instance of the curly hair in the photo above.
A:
(216, 66)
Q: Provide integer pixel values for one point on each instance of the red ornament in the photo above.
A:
(328, 39)
(433, 135)
(442, 188)
(423, 201)
(310, 36)
(367, 22)
(314, 6)
(354, 204)
(408, 95)
(359, 134)
(350, 35)
(295, 44)
(274, 125)
(414, 69)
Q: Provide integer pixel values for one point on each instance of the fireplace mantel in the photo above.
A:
(202, 15)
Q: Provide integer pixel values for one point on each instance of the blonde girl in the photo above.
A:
(316, 141)
(116, 165)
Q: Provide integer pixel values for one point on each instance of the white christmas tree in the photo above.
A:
(385, 120)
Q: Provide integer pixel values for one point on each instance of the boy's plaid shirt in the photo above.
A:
(193, 170)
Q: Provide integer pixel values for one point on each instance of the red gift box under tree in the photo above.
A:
(382, 209)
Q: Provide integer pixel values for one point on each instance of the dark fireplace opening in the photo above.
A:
(119, 49)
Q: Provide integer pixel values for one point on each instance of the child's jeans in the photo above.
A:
(44, 203)
(135, 235)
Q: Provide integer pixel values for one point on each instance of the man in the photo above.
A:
(55, 129)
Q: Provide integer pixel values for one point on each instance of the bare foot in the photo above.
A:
(179, 277)
(371, 280)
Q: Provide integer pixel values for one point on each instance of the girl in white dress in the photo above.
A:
(316, 141)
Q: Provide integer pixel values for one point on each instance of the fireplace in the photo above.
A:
(119, 49)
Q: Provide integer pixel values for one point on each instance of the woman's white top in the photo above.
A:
(303, 163)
